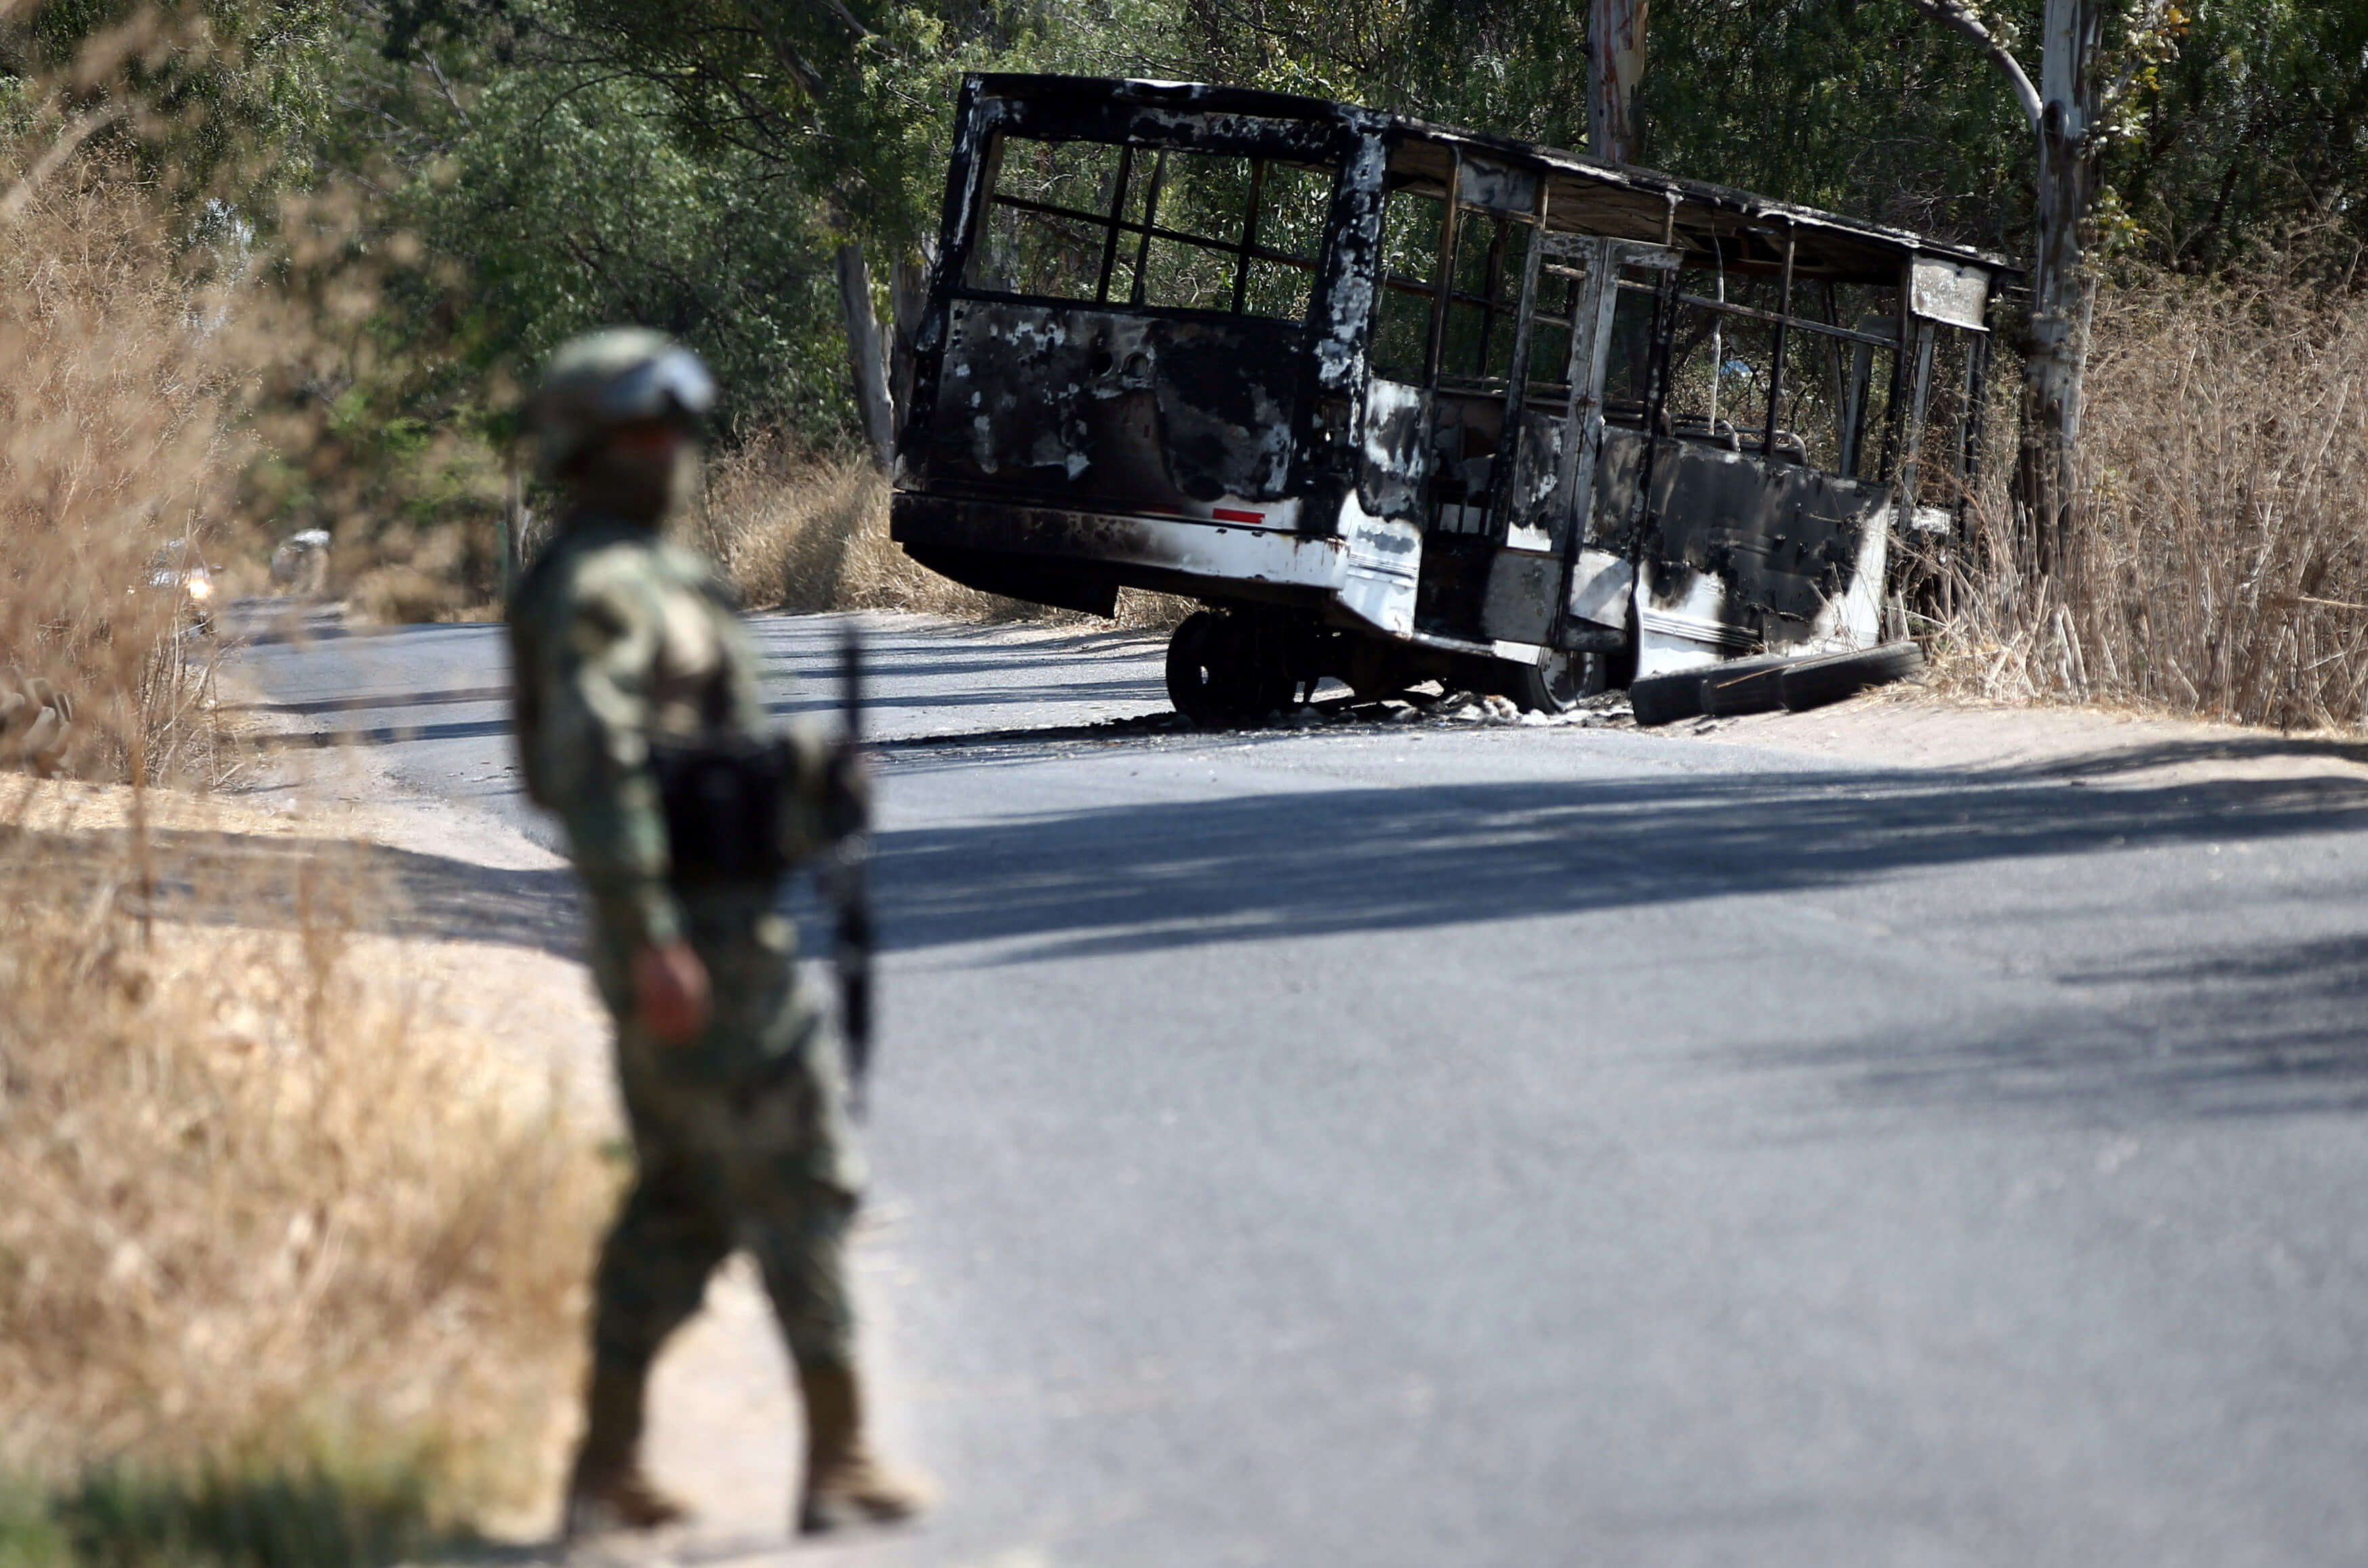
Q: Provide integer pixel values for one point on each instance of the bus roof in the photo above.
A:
(1738, 231)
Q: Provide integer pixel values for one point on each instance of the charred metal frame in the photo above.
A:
(1086, 442)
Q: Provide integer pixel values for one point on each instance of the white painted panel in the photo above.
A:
(1689, 634)
(1600, 587)
(1944, 292)
(1244, 555)
(1382, 561)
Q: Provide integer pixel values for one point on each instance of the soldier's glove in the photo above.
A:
(670, 992)
(845, 792)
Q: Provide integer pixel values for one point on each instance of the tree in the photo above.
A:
(1615, 63)
(544, 201)
(2068, 113)
(828, 100)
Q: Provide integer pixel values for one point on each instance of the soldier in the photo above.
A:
(639, 722)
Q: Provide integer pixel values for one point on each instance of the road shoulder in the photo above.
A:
(1908, 727)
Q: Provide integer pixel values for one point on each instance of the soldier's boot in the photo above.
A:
(845, 1485)
(607, 1490)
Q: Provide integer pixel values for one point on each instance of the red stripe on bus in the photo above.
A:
(1227, 515)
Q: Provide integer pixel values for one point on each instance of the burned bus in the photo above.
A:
(1396, 402)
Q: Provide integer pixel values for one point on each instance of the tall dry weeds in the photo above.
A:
(273, 1206)
(800, 531)
(269, 1210)
(114, 439)
(2220, 560)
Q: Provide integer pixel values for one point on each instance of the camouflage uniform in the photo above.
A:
(624, 645)
(617, 639)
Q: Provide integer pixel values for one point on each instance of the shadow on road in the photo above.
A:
(2262, 1030)
(366, 704)
(1132, 878)
(2272, 1026)
(273, 883)
(2122, 761)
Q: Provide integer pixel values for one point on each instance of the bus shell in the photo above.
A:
(1397, 402)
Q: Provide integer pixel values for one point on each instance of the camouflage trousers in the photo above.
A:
(741, 1140)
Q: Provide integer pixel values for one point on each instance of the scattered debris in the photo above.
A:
(301, 564)
(36, 723)
(1449, 710)
(1606, 711)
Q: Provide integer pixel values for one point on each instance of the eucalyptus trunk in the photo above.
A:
(867, 364)
(1615, 63)
(2056, 355)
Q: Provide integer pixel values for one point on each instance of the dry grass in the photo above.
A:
(276, 1209)
(277, 1224)
(2220, 560)
(113, 440)
(802, 532)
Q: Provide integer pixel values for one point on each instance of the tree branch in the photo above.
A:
(2143, 33)
(427, 58)
(76, 133)
(846, 19)
(1955, 14)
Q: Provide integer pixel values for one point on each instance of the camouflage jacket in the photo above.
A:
(619, 639)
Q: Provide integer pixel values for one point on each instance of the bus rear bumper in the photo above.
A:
(1079, 560)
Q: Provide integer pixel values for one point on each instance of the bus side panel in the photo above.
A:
(1392, 461)
(1076, 407)
(1786, 546)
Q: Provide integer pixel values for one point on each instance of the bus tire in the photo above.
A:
(1664, 699)
(1733, 690)
(1195, 681)
(1559, 685)
(1814, 682)
(1225, 669)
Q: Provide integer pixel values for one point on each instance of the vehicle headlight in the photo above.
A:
(200, 589)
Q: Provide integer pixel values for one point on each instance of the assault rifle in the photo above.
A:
(850, 892)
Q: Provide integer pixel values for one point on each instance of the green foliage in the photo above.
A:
(30, 1538)
(532, 168)
(569, 202)
(358, 1516)
(2242, 118)
(2254, 130)
(216, 99)
(1869, 110)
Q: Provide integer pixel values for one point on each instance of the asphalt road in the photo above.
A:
(1441, 1145)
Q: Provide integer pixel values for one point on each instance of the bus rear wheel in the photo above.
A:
(1227, 669)
(1559, 685)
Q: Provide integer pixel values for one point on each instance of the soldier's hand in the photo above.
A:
(670, 992)
(846, 792)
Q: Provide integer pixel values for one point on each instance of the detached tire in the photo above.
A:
(1814, 682)
(1664, 699)
(1735, 689)
(1684, 694)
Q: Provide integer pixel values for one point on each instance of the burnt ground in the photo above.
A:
(1420, 1141)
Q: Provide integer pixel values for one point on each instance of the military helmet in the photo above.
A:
(620, 376)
